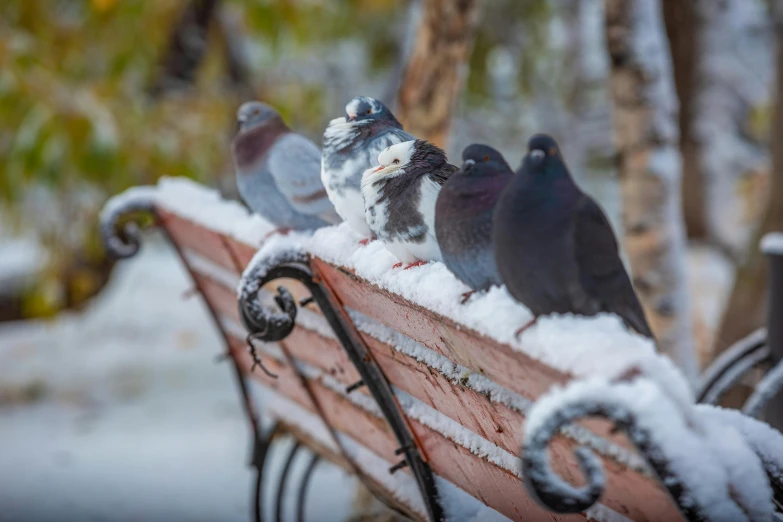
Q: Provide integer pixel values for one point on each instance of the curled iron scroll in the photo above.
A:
(555, 494)
(559, 496)
(263, 323)
(121, 237)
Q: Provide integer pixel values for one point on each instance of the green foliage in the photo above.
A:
(77, 124)
(509, 22)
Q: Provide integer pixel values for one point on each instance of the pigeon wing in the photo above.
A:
(295, 165)
(441, 175)
(603, 275)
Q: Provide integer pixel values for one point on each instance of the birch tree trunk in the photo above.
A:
(745, 310)
(435, 72)
(734, 69)
(646, 137)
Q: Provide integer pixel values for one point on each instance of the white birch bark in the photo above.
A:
(734, 76)
(647, 137)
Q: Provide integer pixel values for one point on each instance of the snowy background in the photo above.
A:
(120, 412)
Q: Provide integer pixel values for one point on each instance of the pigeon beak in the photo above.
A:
(350, 117)
(537, 155)
(380, 168)
(468, 164)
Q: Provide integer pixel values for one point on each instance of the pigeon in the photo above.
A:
(555, 249)
(399, 199)
(351, 145)
(463, 216)
(278, 171)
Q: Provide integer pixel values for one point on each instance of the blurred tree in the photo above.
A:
(645, 115)
(683, 28)
(77, 125)
(724, 63)
(435, 72)
(186, 47)
(745, 310)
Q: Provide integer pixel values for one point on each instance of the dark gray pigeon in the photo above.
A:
(555, 249)
(352, 145)
(278, 171)
(463, 216)
(399, 199)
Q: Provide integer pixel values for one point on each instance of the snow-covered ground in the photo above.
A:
(120, 413)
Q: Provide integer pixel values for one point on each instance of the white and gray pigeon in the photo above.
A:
(278, 171)
(351, 145)
(399, 199)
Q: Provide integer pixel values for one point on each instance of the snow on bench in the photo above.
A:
(466, 385)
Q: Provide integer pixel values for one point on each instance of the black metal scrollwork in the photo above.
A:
(124, 241)
(604, 401)
(263, 323)
(559, 496)
(732, 365)
(270, 326)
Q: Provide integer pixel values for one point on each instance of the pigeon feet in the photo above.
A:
(364, 241)
(417, 263)
(525, 327)
(466, 296)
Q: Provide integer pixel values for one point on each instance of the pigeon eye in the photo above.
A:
(369, 111)
(486, 158)
(396, 161)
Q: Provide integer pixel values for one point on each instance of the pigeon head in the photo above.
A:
(254, 113)
(543, 157)
(478, 158)
(366, 109)
(393, 159)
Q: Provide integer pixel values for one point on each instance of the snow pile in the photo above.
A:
(206, 207)
(763, 439)
(568, 343)
(192, 201)
(20, 260)
(720, 474)
(772, 243)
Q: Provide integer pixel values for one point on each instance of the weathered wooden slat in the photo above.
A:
(205, 242)
(495, 422)
(513, 370)
(374, 486)
(220, 298)
(242, 252)
(628, 492)
(483, 481)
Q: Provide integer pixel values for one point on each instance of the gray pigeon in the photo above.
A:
(399, 198)
(463, 216)
(351, 145)
(555, 249)
(278, 171)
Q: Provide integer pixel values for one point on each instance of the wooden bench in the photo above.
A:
(462, 396)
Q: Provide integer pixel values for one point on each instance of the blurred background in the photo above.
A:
(108, 393)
